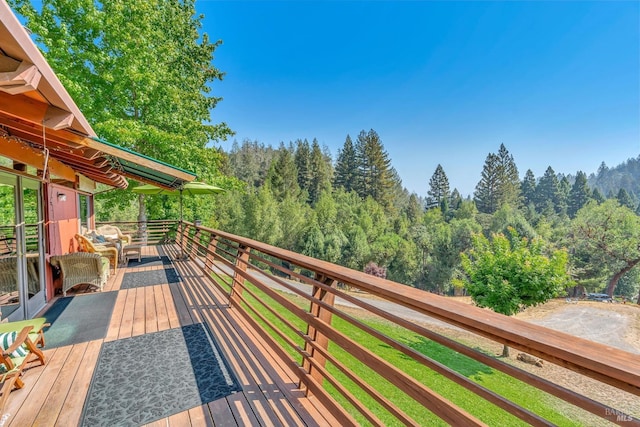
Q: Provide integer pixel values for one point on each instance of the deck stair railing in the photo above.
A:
(309, 340)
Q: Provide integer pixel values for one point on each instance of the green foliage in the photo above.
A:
(579, 195)
(282, 177)
(606, 236)
(548, 198)
(499, 184)
(508, 274)
(438, 188)
(142, 74)
(528, 187)
(346, 167)
(375, 178)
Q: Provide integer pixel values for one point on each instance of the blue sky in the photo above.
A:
(441, 82)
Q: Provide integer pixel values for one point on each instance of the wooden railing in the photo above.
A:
(248, 271)
(147, 232)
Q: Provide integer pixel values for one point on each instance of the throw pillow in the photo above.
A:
(6, 339)
(100, 239)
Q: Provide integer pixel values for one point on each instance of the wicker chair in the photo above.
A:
(81, 267)
(114, 233)
(109, 252)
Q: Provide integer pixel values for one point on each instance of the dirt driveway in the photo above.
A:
(616, 325)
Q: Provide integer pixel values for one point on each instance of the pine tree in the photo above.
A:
(456, 199)
(564, 188)
(486, 194)
(508, 179)
(303, 164)
(499, 184)
(374, 169)
(579, 194)
(597, 196)
(548, 192)
(320, 173)
(282, 177)
(438, 188)
(625, 199)
(528, 187)
(346, 167)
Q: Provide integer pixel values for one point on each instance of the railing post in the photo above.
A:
(194, 243)
(242, 261)
(210, 258)
(316, 336)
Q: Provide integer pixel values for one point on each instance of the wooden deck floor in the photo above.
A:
(54, 394)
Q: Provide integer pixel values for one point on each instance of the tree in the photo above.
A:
(625, 199)
(597, 196)
(508, 274)
(375, 177)
(141, 72)
(438, 187)
(486, 195)
(610, 234)
(528, 188)
(579, 194)
(303, 164)
(508, 179)
(346, 167)
(282, 177)
(320, 173)
(548, 192)
(250, 161)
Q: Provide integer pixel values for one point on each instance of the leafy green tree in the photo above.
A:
(346, 173)
(508, 274)
(438, 188)
(579, 195)
(142, 74)
(610, 234)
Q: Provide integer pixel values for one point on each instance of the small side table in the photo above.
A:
(131, 250)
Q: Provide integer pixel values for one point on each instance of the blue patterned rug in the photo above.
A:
(145, 378)
(140, 279)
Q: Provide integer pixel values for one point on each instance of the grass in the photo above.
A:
(518, 392)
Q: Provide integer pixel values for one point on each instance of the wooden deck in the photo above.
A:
(54, 394)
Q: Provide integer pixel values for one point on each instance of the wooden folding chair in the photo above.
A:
(17, 351)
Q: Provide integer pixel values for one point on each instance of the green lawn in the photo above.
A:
(521, 393)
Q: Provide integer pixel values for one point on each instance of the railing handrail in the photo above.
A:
(615, 366)
(238, 254)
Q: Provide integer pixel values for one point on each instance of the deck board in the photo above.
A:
(54, 394)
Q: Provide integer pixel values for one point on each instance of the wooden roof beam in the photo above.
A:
(18, 77)
(30, 110)
(22, 153)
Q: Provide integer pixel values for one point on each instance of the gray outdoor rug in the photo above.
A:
(79, 319)
(149, 261)
(149, 278)
(145, 378)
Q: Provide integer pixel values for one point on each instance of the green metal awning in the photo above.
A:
(142, 168)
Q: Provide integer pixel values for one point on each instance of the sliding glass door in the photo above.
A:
(21, 247)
